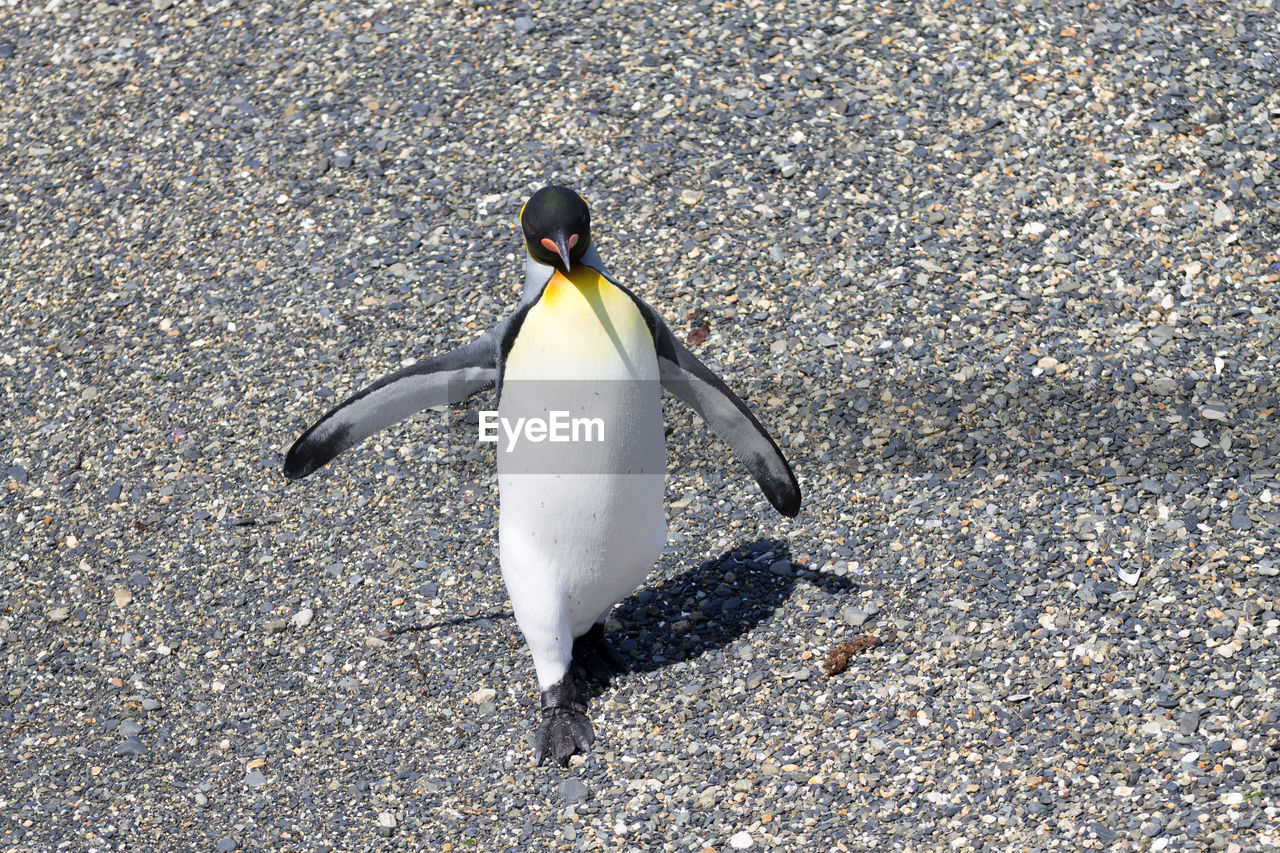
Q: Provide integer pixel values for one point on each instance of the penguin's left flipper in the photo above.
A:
(435, 381)
(696, 384)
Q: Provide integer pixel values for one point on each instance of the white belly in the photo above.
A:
(581, 522)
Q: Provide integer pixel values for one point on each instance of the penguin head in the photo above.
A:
(557, 227)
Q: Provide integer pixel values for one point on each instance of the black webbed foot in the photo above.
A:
(565, 728)
(595, 658)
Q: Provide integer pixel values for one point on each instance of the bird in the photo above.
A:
(581, 521)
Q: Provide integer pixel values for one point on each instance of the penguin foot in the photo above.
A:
(595, 658)
(565, 728)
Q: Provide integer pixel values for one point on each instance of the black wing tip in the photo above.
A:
(295, 469)
(788, 502)
(305, 458)
(297, 464)
(310, 453)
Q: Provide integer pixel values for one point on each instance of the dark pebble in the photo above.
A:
(131, 746)
(1104, 833)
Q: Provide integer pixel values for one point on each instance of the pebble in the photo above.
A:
(303, 617)
(741, 841)
(572, 790)
(131, 746)
(255, 779)
(227, 844)
(855, 616)
(484, 694)
(386, 824)
(524, 24)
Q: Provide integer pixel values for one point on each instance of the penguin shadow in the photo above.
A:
(706, 607)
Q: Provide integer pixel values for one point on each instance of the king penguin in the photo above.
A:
(581, 521)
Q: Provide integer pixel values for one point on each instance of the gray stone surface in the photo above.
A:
(1000, 278)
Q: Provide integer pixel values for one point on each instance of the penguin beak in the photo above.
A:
(562, 246)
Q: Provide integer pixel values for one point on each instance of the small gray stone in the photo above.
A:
(1105, 834)
(343, 159)
(1241, 521)
(572, 790)
(6, 49)
(386, 824)
(227, 845)
(523, 24)
(856, 616)
(1214, 412)
(781, 568)
(275, 626)
(131, 746)
(255, 779)
(150, 704)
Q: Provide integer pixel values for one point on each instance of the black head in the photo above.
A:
(557, 226)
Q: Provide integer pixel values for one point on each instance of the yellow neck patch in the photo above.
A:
(583, 315)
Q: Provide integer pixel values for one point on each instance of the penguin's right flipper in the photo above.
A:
(436, 381)
(696, 384)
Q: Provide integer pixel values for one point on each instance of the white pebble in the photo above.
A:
(741, 841)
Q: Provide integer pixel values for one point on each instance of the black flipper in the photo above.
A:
(694, 383)
(435, 381)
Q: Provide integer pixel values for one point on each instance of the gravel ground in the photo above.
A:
(1001, 278)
